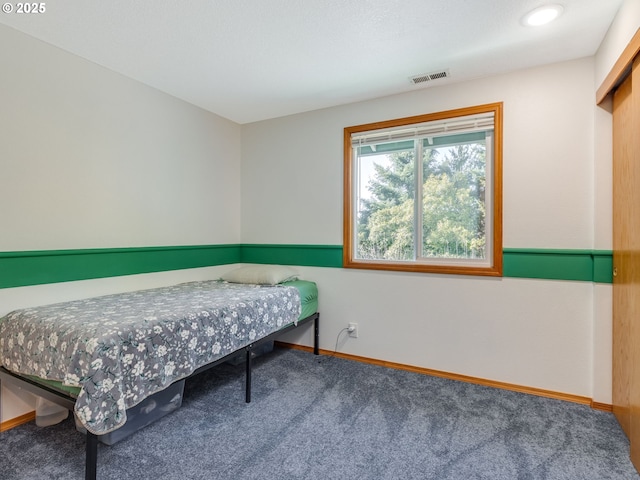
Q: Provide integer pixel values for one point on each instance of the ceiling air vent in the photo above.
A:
(429, 77)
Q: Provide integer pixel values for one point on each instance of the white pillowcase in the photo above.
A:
(261, 274)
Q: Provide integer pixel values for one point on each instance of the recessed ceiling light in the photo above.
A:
(542, 15)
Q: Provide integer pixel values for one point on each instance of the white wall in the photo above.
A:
(91, 159)
(526, 332)
(535, 333)
(622, 29)
(548, 156)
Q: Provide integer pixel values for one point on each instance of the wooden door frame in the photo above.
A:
(625, 76)
(621, 294)
(620, 69)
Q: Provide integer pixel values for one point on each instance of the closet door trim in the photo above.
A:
(620, 69)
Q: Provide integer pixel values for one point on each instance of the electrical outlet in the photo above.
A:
(353, 330)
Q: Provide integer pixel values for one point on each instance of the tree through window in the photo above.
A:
(424, 193)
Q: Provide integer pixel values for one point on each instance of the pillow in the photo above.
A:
(261, 274)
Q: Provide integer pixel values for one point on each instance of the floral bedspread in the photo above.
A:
(121, 348)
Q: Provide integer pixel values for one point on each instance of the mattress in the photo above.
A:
(308, 302)
(308, 296)
(119, 349)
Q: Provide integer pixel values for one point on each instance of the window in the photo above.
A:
(424, 193)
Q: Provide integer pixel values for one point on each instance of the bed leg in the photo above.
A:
(91, 460)
(247, 394)
(316, 335)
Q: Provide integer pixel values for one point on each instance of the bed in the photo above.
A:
(101, 357)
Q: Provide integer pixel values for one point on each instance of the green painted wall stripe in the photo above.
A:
(52, 266)
(307, 255)
(603, 267)
(553, 264)
(580, 265)
(19, 269)
(548, 264)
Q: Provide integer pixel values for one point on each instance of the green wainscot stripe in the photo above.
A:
(303, 255)
(39, 267)
(580, 265)
(576, 265)
(603, 266)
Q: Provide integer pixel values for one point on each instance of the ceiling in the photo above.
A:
(250, 60)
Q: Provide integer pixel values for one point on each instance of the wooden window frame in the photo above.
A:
(495, 268)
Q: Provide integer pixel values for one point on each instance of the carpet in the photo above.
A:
(329, 418)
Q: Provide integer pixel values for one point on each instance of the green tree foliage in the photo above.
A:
(453, 206)
(385, 222)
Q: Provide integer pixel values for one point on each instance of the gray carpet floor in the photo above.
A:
(328, 418)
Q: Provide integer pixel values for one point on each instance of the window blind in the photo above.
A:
(456, 126)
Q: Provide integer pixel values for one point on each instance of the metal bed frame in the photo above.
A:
(67, 401)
